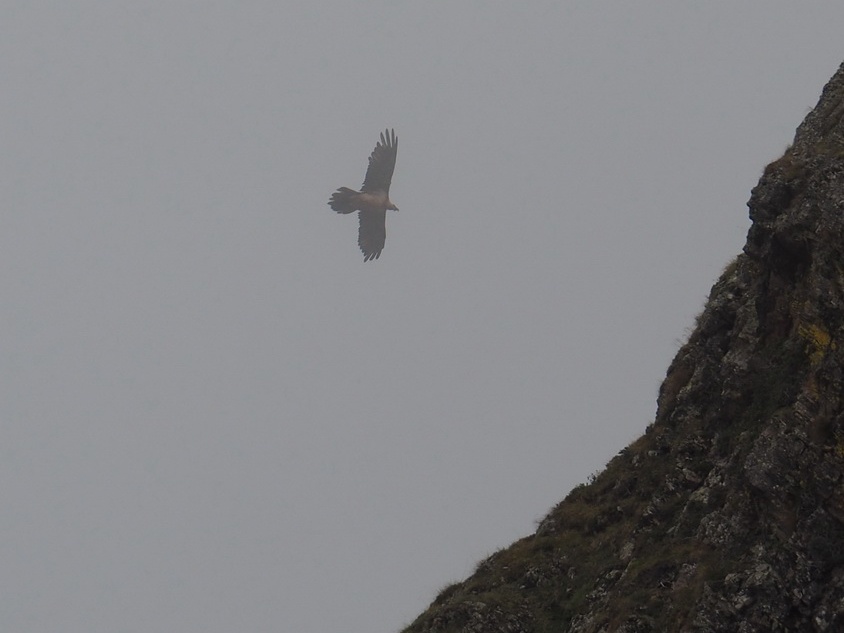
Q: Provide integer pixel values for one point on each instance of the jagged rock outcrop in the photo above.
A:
(728, 513)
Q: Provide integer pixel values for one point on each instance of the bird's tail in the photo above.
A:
(343, 200)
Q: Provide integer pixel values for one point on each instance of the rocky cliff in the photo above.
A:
(728, 513)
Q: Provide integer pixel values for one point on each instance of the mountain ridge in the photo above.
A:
(728, 513)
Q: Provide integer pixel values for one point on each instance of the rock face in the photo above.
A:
(728, 513)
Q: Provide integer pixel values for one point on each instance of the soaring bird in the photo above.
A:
(373, 199)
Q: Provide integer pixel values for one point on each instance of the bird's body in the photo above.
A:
(373, 200)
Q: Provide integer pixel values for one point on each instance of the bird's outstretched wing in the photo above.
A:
(382, 162)
(372, 233)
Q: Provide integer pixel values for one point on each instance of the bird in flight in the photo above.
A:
(373, 199)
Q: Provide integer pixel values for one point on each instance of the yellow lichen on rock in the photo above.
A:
(819, 340)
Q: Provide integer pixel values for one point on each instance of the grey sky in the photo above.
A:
(216, 417)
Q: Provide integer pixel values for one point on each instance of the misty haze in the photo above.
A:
(217, 417)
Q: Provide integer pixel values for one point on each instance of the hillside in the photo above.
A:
(728, 513)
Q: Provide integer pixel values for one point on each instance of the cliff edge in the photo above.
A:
(728, 513)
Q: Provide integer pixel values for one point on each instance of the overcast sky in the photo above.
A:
(215, 417)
